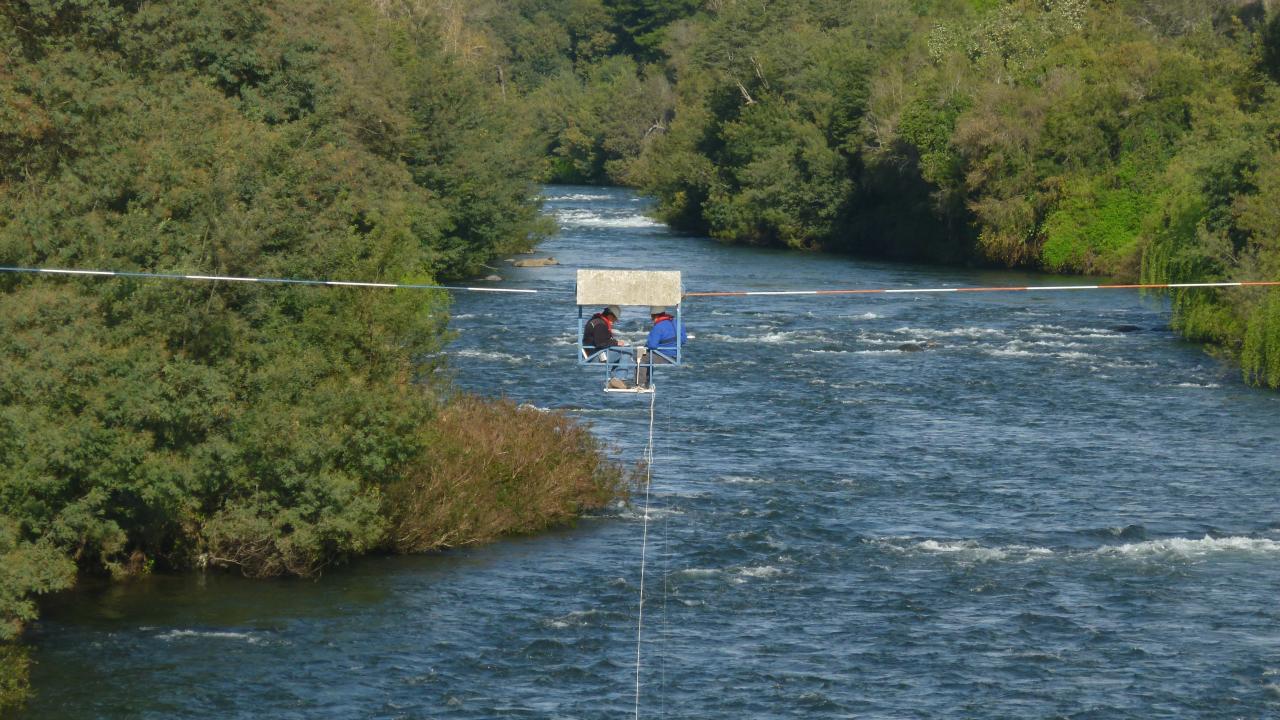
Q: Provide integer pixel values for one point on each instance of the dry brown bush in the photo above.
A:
(495, 468)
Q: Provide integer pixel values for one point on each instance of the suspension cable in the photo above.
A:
(1010, 288)
(696, 294)
(271, 280)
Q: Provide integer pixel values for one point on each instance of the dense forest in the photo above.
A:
(277, 430)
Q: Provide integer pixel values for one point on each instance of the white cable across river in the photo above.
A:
(266, 280)
(708, 293)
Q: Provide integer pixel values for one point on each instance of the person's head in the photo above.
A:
(656, 310)
(613, 311)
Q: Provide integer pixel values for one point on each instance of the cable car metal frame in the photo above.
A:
(597, 288)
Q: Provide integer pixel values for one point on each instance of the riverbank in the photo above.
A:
(490, 469)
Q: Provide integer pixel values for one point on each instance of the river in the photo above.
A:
(938, 506)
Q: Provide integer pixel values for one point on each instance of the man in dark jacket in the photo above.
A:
(597, 338)
(597, 335)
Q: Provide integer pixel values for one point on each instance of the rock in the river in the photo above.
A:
(536, 262)
(917, 347)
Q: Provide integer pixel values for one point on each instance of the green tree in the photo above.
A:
(640, 25)
(26, 570)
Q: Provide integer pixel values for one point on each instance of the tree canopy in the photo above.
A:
(147, 424)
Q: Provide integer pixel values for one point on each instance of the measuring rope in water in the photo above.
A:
(707, 293)
(644, 544)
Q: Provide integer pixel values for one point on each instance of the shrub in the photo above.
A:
(13, 676)
(1091, 228)
(1261, 353)
(26, 569)
(494, 468)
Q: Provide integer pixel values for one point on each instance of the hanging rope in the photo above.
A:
(665, 634)
(644, 543)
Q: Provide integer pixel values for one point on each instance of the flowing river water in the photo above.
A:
(1023, 505)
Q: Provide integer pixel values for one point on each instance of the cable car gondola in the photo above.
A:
(629, 288)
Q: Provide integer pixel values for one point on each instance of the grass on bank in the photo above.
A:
(496, 469)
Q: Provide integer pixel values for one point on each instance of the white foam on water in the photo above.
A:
(578, 618)
(971, 551)
(697, 572)
(869, 339)
(490, 355)
(1190, 549)
(761, 571)
(577, 197)
(745, 480)
(1005, 352)
(786, 337)
(1122, 364)
(601, 410)
(1195, 385)
(209, 634)
(586, 218)
(1049, 343)
(654, 513)
(1166, 549)
(780, 337)
(1062, 331)
(965, 332)
(1015, 349)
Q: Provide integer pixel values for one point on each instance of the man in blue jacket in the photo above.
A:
(660, 347)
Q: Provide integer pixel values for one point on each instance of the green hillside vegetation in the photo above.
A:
(151, 425)
(1127, 138)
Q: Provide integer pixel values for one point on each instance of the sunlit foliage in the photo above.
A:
(1117, 138)
(151, 425)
